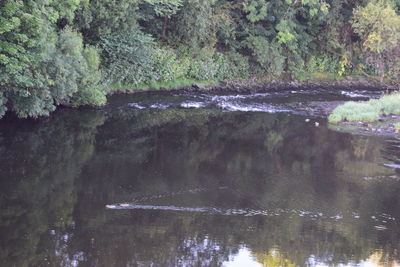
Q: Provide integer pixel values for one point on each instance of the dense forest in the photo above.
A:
(75, 52)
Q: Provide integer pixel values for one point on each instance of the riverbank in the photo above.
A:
(325, 95)
(260, 84)
(385, 125)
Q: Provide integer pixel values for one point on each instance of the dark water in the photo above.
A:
(197, 180)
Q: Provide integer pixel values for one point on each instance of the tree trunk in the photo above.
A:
(164, 28)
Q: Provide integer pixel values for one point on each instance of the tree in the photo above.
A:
(40, 66)
(165, 9)
(99, 18)
(378, 26)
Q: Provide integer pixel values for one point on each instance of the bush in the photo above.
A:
(204, 66)
(128, 58)
(323, 63)
(91, 91)
(167, 66)
(268, 55)
(219, 66)
(74, 72)
(232, 66)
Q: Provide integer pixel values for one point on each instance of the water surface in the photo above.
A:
(197, 179)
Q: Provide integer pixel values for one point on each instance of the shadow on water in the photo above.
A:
(194, 186)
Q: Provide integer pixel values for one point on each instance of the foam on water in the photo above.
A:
(240, 102)
(190, 104)
(236, 106)
(136, 105)
(394, 166)
(218, 98)
(159, 106)
(353, 94)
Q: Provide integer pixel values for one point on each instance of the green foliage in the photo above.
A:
(324, 63)
(205, 69)
(22, 44)
(268, 54)
(168, 67)
(65, 66)
(367, 111)
(48, 48)
(74, 77)
(42, 67)
(238, 65)
(25, 42)
(194, 24)
(128, 57)
(257, 10)
(99, 18)
(91, 91)
(165, 8)
(66, 9)
(378, 26)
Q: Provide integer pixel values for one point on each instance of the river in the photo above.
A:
(198, 179)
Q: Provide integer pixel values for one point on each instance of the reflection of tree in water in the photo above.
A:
(39, 164)
(266, 161)
(270, 161)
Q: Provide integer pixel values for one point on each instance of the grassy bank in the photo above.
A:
(367, 111)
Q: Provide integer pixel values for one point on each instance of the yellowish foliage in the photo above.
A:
(273, 258)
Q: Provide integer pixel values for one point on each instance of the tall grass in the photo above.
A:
(367, 111)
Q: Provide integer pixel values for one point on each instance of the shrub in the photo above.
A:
(323, 63)
(74, 72)
(219, 66)
(203, 69)
(238, 65)
(91, 91)
(167, 66)
(268, 55)
(128, 58)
